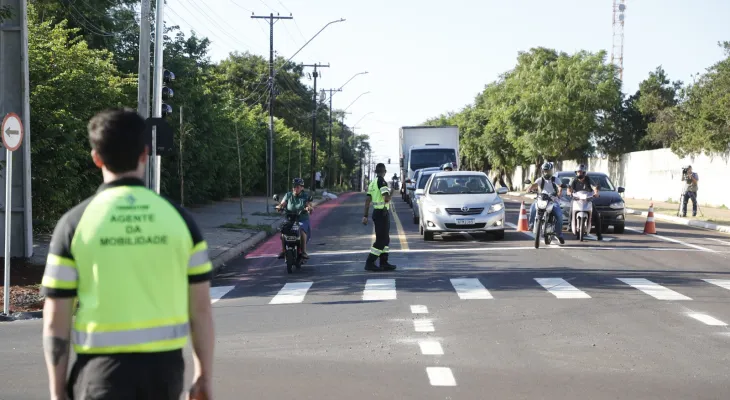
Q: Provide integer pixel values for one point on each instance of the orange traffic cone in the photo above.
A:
(522, 225)
(650, 226)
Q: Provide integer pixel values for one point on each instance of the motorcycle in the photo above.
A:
(544, 227)
(291, 235)
(581, 214)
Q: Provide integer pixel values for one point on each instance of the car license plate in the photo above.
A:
(464, 222)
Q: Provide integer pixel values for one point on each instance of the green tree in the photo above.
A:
(703, 119)
(69, 83)
(656, 102)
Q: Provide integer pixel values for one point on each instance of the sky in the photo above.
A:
(427, 57)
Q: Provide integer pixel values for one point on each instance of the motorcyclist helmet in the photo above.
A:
(447, 167)
(298, 182)
(547, 169)
(580, 171)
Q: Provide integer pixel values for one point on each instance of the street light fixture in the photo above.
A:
(353, 77)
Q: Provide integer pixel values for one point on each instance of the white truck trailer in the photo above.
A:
(426, 146)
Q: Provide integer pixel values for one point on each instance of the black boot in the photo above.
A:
(370, 263)
(384, 264)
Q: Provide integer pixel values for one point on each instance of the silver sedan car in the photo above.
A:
(460, 201)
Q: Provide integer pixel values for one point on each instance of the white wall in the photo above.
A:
(656, 175)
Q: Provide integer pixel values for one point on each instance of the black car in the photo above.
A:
(609, 204)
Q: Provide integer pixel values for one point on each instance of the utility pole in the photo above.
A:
(182, 168)
(143, 89)
(313, 160)
(329, 152)
(270, 153)
(15, 97)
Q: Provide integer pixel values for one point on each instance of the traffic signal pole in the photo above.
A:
(157, 92)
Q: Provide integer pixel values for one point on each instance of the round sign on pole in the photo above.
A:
(12, 131)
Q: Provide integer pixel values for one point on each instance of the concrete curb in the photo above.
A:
(682, 221)
(250, 243)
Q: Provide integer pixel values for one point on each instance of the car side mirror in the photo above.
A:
(276, 197)
(621, 190)
(502, 190)
(420, 192)
(528, 182)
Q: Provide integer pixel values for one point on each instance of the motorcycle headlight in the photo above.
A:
(542, 203)
(495, 208)
(617, 205)
(433, 210)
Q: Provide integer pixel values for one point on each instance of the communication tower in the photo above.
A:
(617, 52)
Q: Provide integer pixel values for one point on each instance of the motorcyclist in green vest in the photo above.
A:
(295, 201)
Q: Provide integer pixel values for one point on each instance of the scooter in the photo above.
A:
(291, 235)
(581, 214)
(544, 227)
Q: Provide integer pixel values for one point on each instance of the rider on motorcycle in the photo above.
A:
(447, 167)
(295, 201)
(547, 185)
(583, 184)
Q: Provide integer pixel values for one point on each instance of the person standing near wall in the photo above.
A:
(690, 190)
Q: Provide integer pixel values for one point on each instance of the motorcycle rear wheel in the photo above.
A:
(290, 260)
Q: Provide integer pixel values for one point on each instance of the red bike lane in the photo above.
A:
(272, 246)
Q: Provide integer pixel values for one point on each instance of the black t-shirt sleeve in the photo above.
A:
(200, 267)
(383, 185)
(61, 276)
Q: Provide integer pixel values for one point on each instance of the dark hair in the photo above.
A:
(118, 136)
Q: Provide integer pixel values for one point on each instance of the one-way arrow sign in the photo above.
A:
(12, 131)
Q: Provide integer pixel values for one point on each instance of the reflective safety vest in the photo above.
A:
(129, 256)
(376, 189)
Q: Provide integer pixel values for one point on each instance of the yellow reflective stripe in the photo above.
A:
(54, 259)
(94, 326)
(53, 283)
(384, 190)
(130, 337)
(61, 273)
(198, 258)
(200, 269)
(375, 251)
(386, 249)
(154, 347)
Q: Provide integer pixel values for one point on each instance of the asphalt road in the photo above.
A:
(461, 318)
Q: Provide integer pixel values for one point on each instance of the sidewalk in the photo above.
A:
(227, 235)
(716, 219)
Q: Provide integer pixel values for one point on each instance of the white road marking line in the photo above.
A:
(706, 319)
(720, 241)
(470, 289)
(216, 293)
(668, 239)
(562, 289)
(292, 292)
(379, 289)
(440, 376)
(419, 309)
(401, 233)
(723, 283)
(430, 348)
(423, 325)
(653, 289)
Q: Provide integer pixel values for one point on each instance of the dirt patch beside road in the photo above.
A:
(25, 280)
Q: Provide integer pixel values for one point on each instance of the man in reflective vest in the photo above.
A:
(139, 267)
(379, 195)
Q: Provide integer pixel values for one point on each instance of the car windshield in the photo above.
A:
(603, 183)
(425, 158)
(460, 184)
(424, 179)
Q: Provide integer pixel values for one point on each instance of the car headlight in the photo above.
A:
(617, 205)
(495, 207)
(433, 210)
